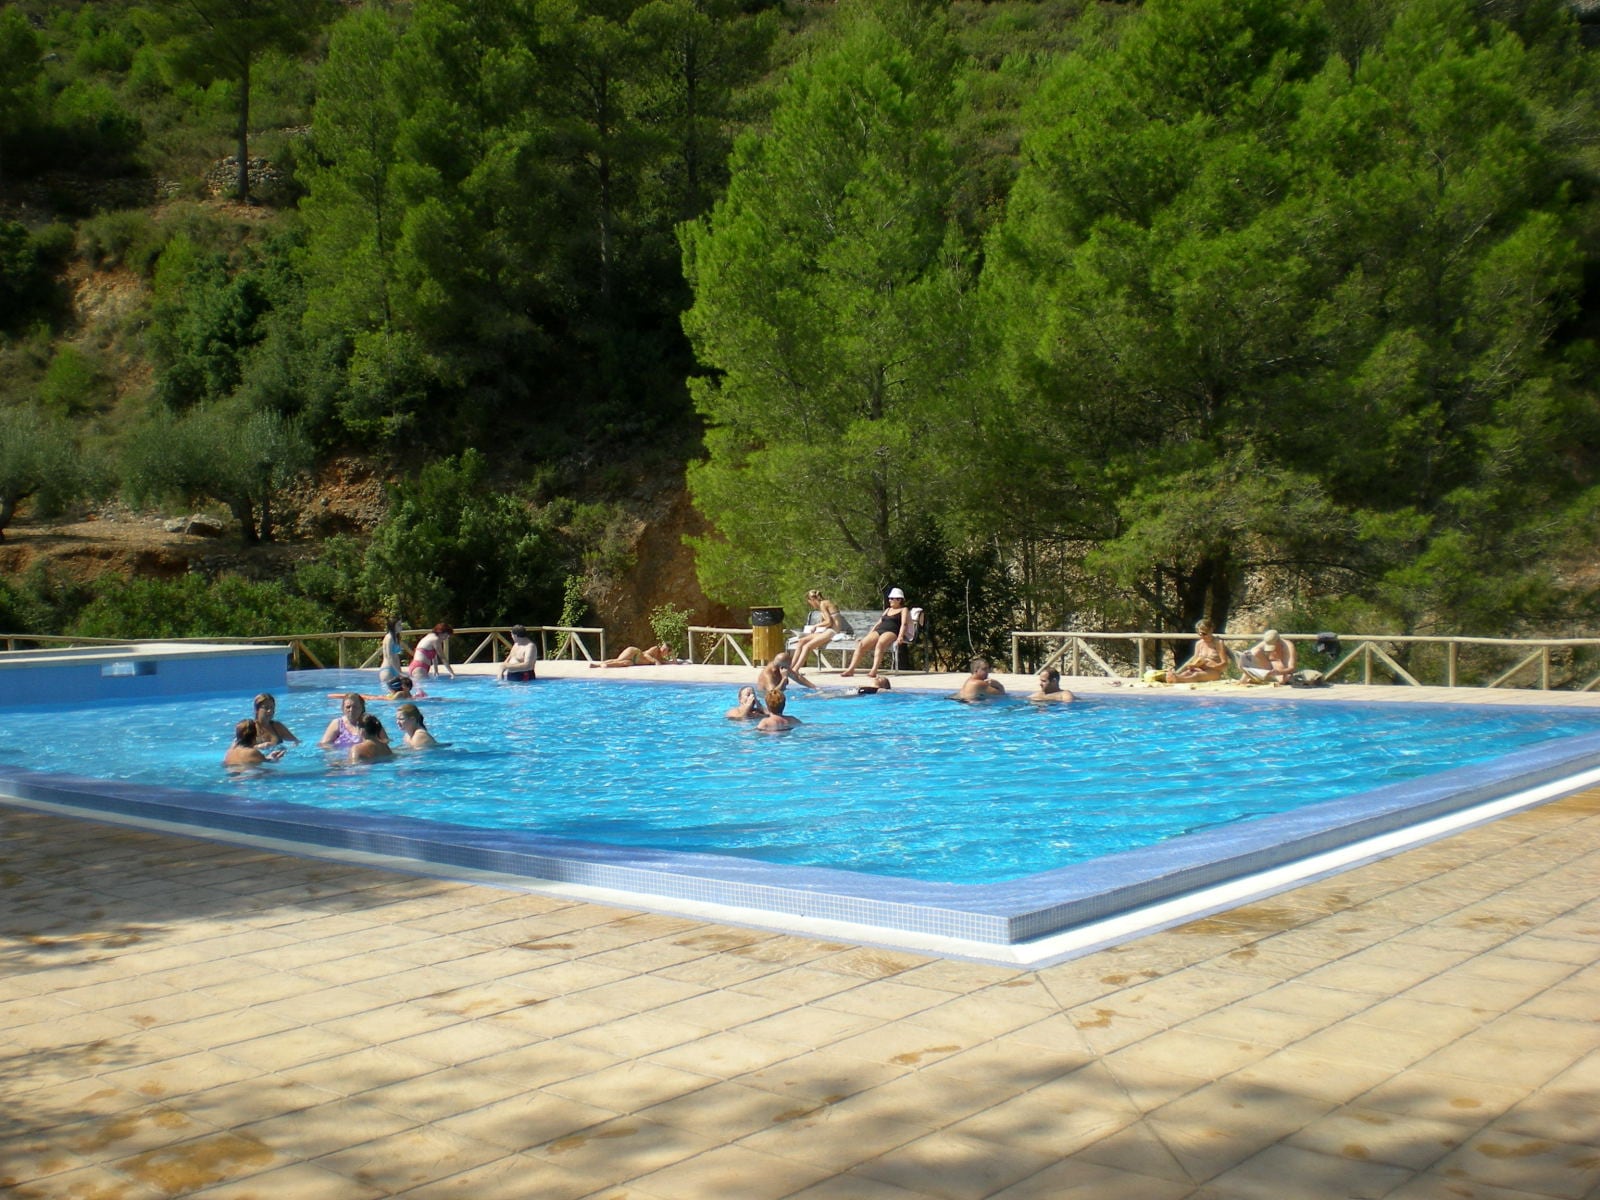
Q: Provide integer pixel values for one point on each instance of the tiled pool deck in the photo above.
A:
(182, 1018)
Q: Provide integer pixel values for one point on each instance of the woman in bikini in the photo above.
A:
(269, 730)
(894, 626)
(816, 637)
(432, 653)
(632, 656)
(394, 650)
(1209, 659)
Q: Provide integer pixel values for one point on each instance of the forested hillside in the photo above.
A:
(1051, 313)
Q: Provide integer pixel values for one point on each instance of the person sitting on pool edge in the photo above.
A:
(775, 721)
(520, 660)
(747, 707)
(778, 673)
(657, 656)
(978, 686)
(1271, 660)
(374, 743)
(1208, 661)
(243, 752)
(1050, 687)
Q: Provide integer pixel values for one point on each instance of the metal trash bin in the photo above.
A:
(766, 633)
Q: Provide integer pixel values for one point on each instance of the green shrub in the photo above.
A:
(193, 606)
(128, 238)
(671, 627)
(72, 382)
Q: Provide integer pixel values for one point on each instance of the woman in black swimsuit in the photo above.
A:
(893, 627)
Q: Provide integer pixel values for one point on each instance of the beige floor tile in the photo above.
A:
(1300, 998)
(1479, 1057)
(1076, 1179)
(630, 1085)
(82, 1183)
(731, 1171)
(1280, 1170)
(463, 1042)
(302, 1181)
(1300, 1074)
(901, 1044)
(1005, 1065)
(1188, 1053)
(1037, 1124)
(1543, 1166)
(526, 1120)
(294, 1047)
(1441, 1097)
(887, 1001)
(646, 993)
(1524, 1030)
(725, 1055)
(722, 1010)
(1105, 1028)
(444, 1093)
(727, 1110)
(623, 1149)
(515, 1177)
(248, 1101)
(542, 1063)
(183, 1168)
(1246, 1021)
(409, 1158)
(361, 1070)
(836, 1137)
(854, 1187)
(981, 1016)
(308, 1133)
(810, 1026)
(1372, 1135)
(178, 1076)
(954, 1167)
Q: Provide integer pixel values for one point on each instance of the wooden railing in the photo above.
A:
(361, 649)
(1548, 664)
(713, 639)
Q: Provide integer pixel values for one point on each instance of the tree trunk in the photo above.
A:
(244, 512)
(243, 135)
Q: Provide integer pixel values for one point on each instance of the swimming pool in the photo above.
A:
(997, 823)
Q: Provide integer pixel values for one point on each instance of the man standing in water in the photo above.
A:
(978, 685)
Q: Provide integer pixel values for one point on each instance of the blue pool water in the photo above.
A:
(906, 785)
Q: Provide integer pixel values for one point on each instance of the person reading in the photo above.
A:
(1271, 660)
(1209, 659)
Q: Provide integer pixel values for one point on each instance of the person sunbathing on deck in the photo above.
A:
(632, 656)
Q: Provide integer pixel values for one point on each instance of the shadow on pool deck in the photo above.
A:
(185, 1018)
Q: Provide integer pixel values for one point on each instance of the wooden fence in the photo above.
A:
(1548, 664)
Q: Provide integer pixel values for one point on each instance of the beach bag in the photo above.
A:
(845, 627)
(1307, 679)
